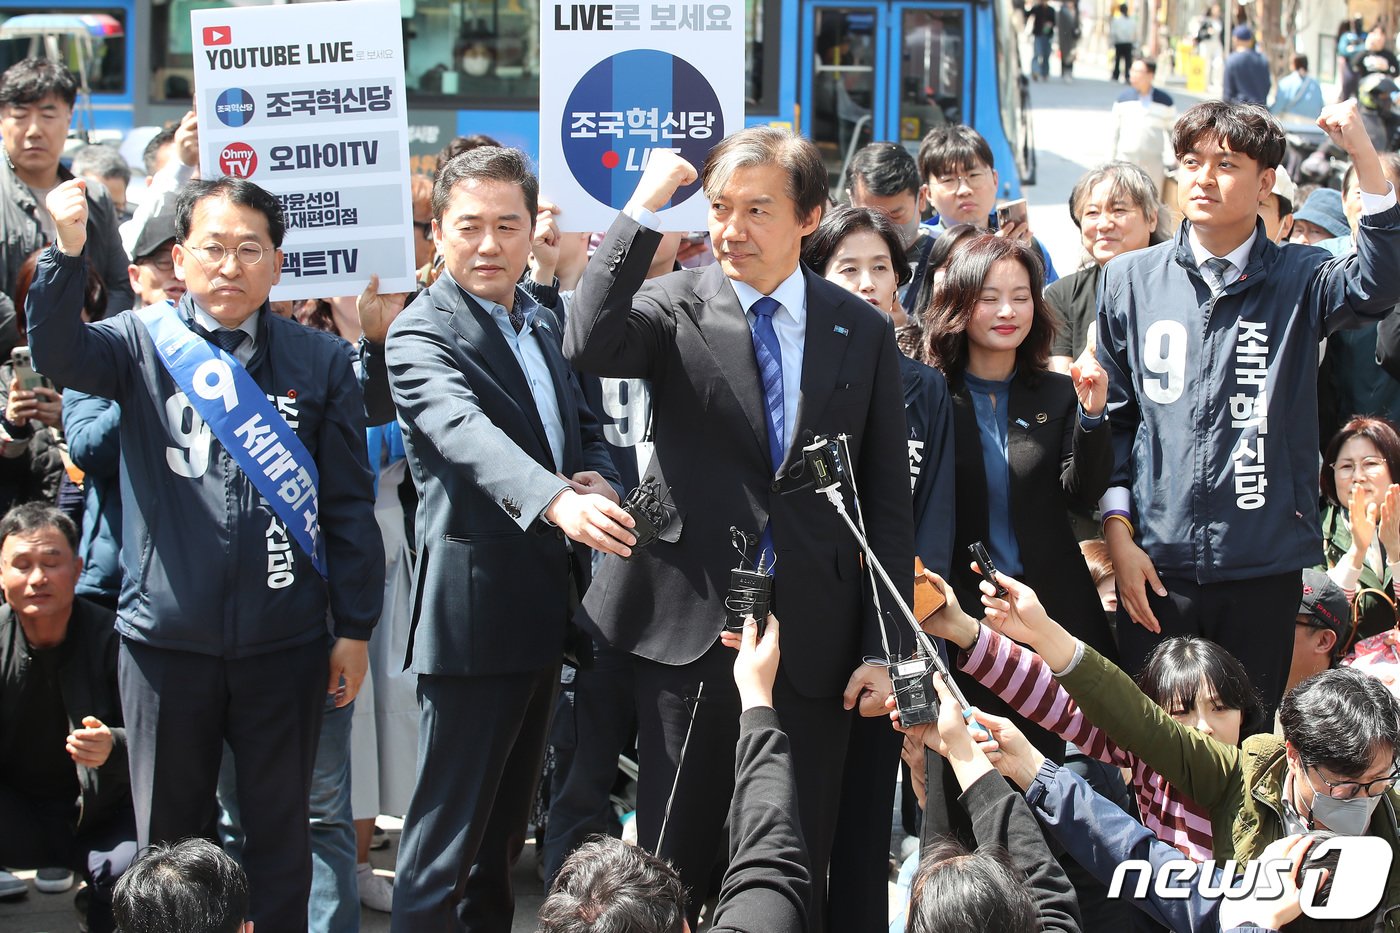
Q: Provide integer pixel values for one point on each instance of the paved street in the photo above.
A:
(1071, 131)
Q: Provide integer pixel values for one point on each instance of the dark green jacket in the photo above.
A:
(1242, 788)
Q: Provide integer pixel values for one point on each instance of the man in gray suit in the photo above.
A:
(510, 468)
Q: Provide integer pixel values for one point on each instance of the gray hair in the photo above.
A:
(99, 161)
(770, 145)
(1128, 182)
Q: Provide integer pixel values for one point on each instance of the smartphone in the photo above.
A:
(1012, 212)
(989, 570)
(927, 597)
(28, 379)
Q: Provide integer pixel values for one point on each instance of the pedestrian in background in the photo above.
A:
(1299, 96)
(1067, 29)
(1041, 22)
(1247, 77)
(1122, 32)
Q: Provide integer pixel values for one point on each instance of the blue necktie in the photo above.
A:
(229, 340)
(770, 369)
(1213, 271)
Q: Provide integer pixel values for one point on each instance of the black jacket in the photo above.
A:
(686, 332)
(88, 681)
(768, 882)
(491, 592)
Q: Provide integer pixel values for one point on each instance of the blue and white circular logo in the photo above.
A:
(235, 107)
(629, 105)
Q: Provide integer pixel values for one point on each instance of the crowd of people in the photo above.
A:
(475, 555)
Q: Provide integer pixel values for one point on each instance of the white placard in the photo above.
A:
(619, 80)
(308, 101)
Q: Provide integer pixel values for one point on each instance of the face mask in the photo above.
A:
(909, 232)
(1344, 817)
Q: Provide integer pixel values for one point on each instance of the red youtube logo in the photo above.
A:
(217, 35)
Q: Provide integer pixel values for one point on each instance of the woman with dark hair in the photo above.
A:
(1116, 209)
(1361, 520)
(1028, 442)
(860, 250)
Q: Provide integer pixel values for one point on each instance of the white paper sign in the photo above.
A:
(307, 100)
(619, 81)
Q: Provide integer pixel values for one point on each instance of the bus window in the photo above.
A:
(843, 81)
(931, 72)
(107, 70)
(763, 22)
(485, 51)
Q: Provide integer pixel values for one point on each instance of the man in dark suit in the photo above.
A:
(729, 433)
(510, 468)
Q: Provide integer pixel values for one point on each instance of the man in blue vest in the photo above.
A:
(248, 511)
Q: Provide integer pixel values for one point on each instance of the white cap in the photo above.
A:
(1284, 186)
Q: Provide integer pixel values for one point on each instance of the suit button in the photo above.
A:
(775, 487)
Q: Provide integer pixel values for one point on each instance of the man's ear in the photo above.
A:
(133, 275)
(1285, 229)
(1327, 640)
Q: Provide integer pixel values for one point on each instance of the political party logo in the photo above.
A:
(217, 35)
(630, 105)
(238, 160)
(235, 107)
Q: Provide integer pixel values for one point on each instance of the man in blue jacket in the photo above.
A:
(1211, 346)
(248, 509)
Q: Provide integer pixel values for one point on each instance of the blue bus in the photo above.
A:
(843, 72)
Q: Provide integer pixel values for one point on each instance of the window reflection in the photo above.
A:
(474, 48)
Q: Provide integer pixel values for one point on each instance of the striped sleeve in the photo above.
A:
(1021, 678)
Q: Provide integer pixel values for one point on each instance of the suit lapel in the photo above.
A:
(725, 328)
(548, 336)
(824, 347)
(475, 326)
(1025, 415)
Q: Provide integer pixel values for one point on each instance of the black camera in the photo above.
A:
(648, 510)
(826, 462)
(913, 691)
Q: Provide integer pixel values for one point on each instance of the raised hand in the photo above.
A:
(1090, 384)
(666, 172)
(68, 206)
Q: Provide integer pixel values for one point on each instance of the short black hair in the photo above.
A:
(607, 886)
(487, 163)
(957, 890)
(151, 153)
(31, 80)
(841, 222)
(953, 147)
(186, 887)
(1174, 669)
(29, 517)
(238, 191)
(1313, 862)
(1245, 128)
(1148, 63)
(460, 144)
(1339, 719)
(884, 169)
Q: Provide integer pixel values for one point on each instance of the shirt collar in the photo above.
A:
(1237, 257)
(497, 310)
(249, 325)
(791, 294)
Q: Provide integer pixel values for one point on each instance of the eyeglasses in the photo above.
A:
(1371, 466)
(972, 179)
(249, 253)
(425, 228)
(1349, 790)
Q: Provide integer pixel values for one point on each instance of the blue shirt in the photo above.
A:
(526, 348)
(991, 400)
(790, 324)
(1298, 95)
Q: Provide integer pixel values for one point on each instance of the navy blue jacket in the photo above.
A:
(1212, 401)
(929, 412)
(1247, 79)
(90, 424)
(1099, 835)
(205, 568)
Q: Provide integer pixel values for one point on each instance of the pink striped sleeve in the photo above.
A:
(1021, 678)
